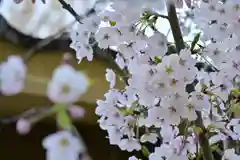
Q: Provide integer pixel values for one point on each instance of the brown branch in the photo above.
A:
(69, 8)
(202, 137)
(27, 114)
(175, 27)
(43, 43)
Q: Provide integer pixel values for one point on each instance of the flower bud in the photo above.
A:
(67, 58)
(85, 156)
(23, 126)
(76, 112)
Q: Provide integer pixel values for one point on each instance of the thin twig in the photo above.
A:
(27, 114)
(157, 14)
(46, 112)
(68, 7)
(205, 59)
(44, 42)
(77, 17)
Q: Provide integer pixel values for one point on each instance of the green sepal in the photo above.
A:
(145, 151)
(62, 117)
(195, 41)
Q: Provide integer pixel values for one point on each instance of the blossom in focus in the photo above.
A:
(230, 154)
(62, 146)
(156, 93)
(111, 77)
(67, 85)
(107, 36)
(12, 75)
(80, 35)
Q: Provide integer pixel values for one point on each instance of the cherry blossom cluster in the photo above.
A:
(222, 20)
(180, 100)
(167, 100)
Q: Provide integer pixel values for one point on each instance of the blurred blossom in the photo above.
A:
(12, 75)
(67, 85)
(62, 146)
(39, 19)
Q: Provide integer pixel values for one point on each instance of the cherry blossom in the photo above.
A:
(62, 145)
(111, 77)
(67, 85)
(182, 97)
(12, 75)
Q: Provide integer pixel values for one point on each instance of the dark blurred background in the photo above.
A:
(16, 147)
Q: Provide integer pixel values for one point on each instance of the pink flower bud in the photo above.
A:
(23, 126)
(67, 58)
(76, 112)
(85, 156)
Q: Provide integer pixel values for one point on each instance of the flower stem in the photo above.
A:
(203, 140)
(207, 61)
(44, 114)
(175, 27)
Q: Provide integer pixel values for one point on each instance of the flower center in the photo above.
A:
(169, 69)
(66, 89)
(173, 82)
(190, 107)
(106, 37)
(172, 109)
(64, 142)
(199, 97)
(182, 62)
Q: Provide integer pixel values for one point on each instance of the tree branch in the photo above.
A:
(203, 140)
(176, 31)
(68, 7)
(43, 43)
(78, 18)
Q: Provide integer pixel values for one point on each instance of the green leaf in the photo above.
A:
(195, 41)
(198, 130)
(236, 92)
(235, 108)
(145, 151)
